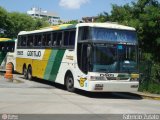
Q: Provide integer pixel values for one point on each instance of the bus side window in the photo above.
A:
(83, 33)
(43, 40)
(38, 41)
(72, 38)
(54, 37)
(48, 39)
(49, 43)
(69, 38)
(23, 40)
(59, 39)
(30, 40)
(66, 38)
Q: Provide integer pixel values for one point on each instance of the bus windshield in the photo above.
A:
(113, 35)
(114, 58)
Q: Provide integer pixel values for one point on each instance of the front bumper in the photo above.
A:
(115, 86)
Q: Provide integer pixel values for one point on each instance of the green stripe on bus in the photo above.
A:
(50, 64)
(53, 64)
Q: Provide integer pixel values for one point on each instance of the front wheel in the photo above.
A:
(70, 83)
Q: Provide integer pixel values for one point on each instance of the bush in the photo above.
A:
(150, 79)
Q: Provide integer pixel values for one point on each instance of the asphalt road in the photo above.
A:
(39, 97)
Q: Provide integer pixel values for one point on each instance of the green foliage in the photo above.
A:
(150, 87)
(155, 73)
(3, 21)
(103, 17)
(149, 80)
(15, 22)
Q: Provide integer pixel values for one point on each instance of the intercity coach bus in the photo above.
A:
(96, 57)
(7, 53)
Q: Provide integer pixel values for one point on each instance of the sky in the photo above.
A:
(66, 9)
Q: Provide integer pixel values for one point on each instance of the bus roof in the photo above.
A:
(50, 28)
(7, 40)
(107, 25)
(71, 26)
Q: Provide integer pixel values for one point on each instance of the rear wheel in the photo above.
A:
(29, 73)
(70, 83)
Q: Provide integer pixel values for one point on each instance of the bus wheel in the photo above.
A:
(70, 83)
(29, 73)
(25, 73)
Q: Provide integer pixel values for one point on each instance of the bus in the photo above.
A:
(7, 53)
(95, 57)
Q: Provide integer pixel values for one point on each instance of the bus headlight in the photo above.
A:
(134, 76)
(95, 78)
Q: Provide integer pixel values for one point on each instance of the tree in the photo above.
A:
(103, 17)
(14, 22)
(3, 21)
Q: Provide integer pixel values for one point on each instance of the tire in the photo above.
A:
(29, 73)
(25, 73)
(70, 83)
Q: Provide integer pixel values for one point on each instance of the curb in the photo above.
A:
(149, 96)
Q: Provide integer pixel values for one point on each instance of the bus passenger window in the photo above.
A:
(54, 37)
(44, 40)
(23, 40)
(84, 33)
(23, 43)
(48, 39)
(72, 38)
(37, 41)
(30, 40)
(59, 39)
(49, 43)
(66, 38)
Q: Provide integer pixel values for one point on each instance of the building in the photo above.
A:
(52, 18)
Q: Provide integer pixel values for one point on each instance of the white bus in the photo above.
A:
(7, 53)
(95, 57)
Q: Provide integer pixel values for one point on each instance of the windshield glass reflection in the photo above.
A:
(114, 58)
